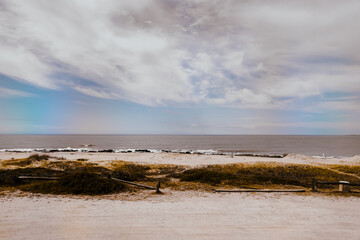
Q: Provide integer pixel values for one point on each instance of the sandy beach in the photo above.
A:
(186, 159)
(180, 214)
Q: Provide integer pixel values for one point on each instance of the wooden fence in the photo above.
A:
(341, 184)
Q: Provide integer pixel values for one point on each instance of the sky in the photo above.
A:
(179, 67)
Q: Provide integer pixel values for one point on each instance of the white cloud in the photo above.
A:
(252, 54)
(7, 92)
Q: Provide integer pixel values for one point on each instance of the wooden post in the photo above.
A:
(314, 185)
(158, 188)
(344, 187)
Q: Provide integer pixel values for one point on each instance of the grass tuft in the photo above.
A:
(347, 169)
(130, 172)
(37, 157)
(26, 161)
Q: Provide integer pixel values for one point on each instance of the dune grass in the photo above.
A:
(26, 161)
(81, 177)
(130, 172)
(9, 177)
(263, 174)
(77, 183)
(347, 169)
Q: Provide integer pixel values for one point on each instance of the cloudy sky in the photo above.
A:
(180, 67)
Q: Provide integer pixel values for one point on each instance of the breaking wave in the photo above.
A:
(250, 153)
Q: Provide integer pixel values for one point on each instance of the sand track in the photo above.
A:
(182, 215)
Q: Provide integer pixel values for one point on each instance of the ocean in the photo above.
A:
(336, 146)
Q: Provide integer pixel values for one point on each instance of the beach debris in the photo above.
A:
(116, 179)
(38, 178)
(134, 184)
(261, 190)
(344, 186)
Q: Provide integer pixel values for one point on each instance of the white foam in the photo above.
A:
(207, 152)
(17, 150)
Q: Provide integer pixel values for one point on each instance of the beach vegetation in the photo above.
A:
(77, 183)
(76, 166)
(206, 175)
(9, 177)
(81, 159)
(26, 161)
(38, 157)
(264, 174)
(347, 169)
(130, 172)
(79, 177)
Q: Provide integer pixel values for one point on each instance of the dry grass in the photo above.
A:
(347, 169)
(263, 174)
(257, 175)
(26, 161)
(77, 183)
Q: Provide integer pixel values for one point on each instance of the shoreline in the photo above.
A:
(219, 152)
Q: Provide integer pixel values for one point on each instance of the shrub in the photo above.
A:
(262, 174)
(9, 177)
(77, 183)
(37, 157)
(130, 172)
(206, 176)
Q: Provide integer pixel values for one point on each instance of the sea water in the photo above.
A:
(340, 145)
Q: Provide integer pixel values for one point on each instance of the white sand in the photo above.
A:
(182, 215)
